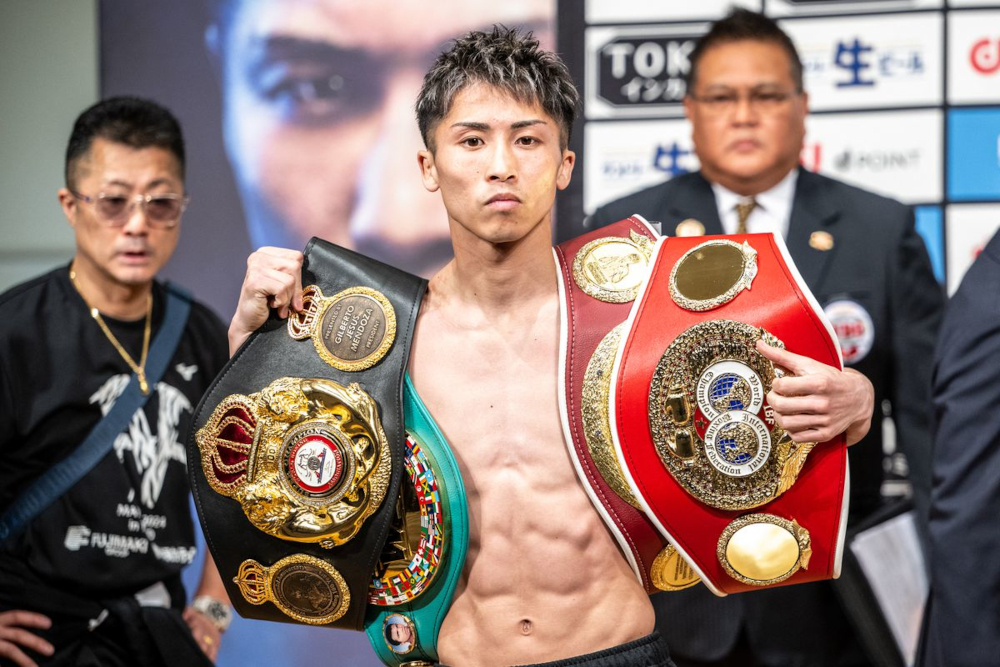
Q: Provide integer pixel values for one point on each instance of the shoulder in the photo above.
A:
(647, 200)
(851, 197)
(30, 290)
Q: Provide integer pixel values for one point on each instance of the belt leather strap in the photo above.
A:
(684, 419)
(598, 275)
(272, 353)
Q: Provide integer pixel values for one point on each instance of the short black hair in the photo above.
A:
(133, 121)
(744, 25)
(505, 59)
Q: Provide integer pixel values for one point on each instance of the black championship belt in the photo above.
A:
(301, 444)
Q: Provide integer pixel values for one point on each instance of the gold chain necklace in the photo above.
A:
(138, 368)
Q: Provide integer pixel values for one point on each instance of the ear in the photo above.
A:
(428, 172)
(68, 203)
(688, 107)
(565, 169)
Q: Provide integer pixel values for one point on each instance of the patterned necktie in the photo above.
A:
(743, 212)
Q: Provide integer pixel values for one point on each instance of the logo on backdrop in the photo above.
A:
(858, 63)
(671, 158)
(985, 56)
(876, 161)
(635, 71)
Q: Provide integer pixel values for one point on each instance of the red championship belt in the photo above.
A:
(600, 275)
(743, 504)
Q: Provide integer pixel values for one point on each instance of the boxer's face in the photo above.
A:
(319, 122)
(400, 633)
(498, 163)
(747, 118)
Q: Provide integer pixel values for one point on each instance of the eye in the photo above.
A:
(472, 142)
(527, 141)
(720, 99)
(313, 91)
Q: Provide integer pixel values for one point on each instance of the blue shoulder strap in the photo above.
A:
(62, 476)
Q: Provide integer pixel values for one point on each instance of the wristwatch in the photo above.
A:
(217, 611)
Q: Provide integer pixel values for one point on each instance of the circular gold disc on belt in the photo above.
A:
(763, 549)
(712, 273)
(612, 268)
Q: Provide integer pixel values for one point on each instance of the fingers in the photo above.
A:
(14, 637)
(796, 364)
(204, 632)
(273, 280)
(819, 402)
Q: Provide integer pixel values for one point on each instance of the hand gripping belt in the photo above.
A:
(319, 503)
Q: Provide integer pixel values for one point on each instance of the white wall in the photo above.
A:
(48, 75)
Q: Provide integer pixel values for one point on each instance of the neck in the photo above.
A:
(109, 297)
(749, 187)
(496, 277)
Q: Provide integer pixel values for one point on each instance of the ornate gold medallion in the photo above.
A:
(710, 422)
(596, 421)
(712, 274)
(306, 458)
(305, 588)
(612, 268)
(670, 572)
(763, 549)
(352, 330)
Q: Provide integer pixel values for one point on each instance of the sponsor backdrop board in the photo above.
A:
(904, 99)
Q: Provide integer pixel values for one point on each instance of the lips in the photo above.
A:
(503, 202)
(503, 197)
(134, 255)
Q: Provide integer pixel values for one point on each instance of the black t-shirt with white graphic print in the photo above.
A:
(127, 524)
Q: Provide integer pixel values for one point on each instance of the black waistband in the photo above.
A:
(648, 651)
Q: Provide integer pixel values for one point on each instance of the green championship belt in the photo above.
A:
(408, 603)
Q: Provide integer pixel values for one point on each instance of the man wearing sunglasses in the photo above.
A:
(95, 525)
(862, 259)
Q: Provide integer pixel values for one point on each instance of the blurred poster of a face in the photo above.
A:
(318, 117)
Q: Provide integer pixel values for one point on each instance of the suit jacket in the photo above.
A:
(879, 262)
(962, 625)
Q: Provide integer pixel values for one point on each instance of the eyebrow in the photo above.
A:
(482, 127)
(151, 184)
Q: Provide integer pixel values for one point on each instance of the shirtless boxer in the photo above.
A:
(543, 579)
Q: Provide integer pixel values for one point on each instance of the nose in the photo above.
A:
(502, 165)
(745, 112)
(394, 218)
(136, 223)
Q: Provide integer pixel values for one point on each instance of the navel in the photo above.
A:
(526, 627)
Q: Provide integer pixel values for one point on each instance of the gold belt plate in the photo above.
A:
(307, 459)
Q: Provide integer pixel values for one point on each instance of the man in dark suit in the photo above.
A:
(962, 625)
(863, 260)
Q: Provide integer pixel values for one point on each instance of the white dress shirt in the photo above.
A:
(772, 213)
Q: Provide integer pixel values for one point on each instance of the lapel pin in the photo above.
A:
(690, 227)
(821, 241)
